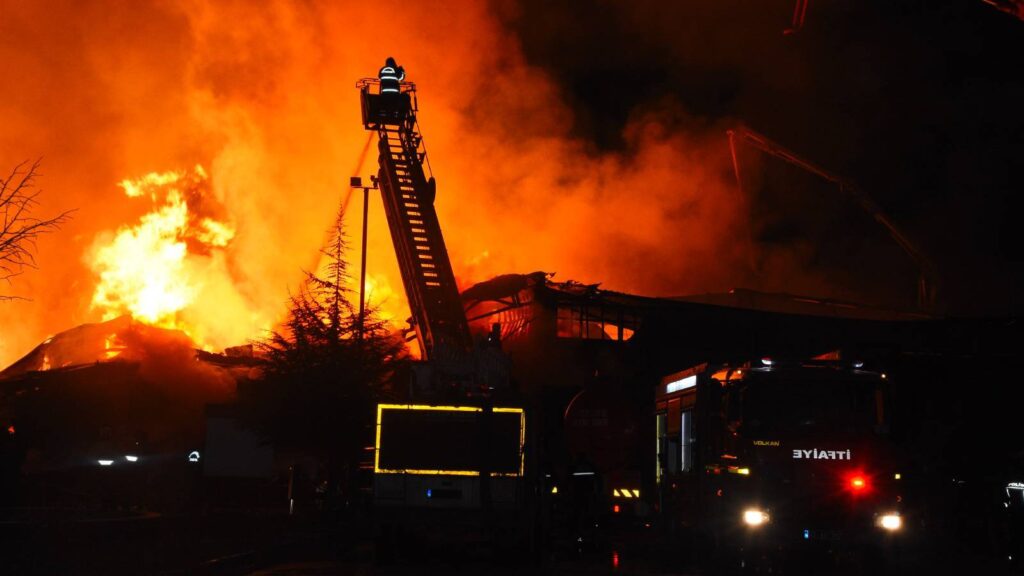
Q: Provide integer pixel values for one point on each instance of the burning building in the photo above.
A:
(120, 394)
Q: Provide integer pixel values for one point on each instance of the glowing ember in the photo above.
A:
(144, 270)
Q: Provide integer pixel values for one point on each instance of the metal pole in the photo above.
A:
(291, 493)
(362, 267)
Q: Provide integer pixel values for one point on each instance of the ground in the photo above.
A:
(237, 543)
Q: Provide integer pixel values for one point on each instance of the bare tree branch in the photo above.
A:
(19, 228)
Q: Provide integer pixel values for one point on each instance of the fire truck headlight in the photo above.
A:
(755, 517)
(890, 521)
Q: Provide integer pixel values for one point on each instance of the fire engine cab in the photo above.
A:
(761, 460)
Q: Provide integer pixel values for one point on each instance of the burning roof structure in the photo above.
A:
(122, 339)
(83, 345)
(586, 330)
(114, 387)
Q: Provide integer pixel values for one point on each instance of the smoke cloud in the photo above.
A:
(262, 95)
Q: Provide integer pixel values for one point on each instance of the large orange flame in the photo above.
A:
(164, 269)
(152, 270)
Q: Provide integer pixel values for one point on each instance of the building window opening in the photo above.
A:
(595, 323)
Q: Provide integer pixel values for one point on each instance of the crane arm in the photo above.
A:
(766, 145)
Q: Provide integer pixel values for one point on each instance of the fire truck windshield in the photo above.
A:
(796, 406)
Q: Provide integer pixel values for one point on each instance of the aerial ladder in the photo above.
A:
(413, 457)
(408, 190)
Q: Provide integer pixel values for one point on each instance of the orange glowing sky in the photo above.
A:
(262, 97)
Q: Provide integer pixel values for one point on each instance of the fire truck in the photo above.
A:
(449, 465)
(768, 461)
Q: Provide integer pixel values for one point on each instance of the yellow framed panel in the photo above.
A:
(382, 407)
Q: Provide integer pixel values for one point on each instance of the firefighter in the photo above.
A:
(391, 76)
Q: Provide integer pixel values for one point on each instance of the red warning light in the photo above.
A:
(858, 483)
(10, 429)
(616, 509)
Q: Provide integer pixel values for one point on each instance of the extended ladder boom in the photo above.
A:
(408, 193)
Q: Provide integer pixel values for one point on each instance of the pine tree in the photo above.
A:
(321, 380)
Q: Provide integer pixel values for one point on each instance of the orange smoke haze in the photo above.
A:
(262, 97)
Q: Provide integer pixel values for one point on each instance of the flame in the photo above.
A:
(379, 294)
(112, 347)
(150, 182)
(215, 233)
(144, 270)
(171, 270)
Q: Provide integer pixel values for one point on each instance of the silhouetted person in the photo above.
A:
(584, 484)
(391, 77)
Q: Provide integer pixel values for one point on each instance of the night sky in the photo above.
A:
(920, 103)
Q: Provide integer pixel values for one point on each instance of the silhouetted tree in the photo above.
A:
(19, 228)
(321, 380)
